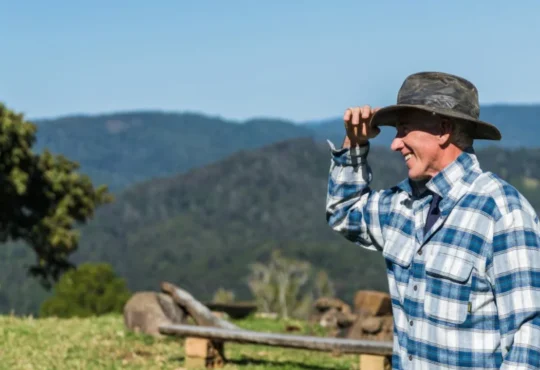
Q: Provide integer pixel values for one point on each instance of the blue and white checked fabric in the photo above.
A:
(467, 294)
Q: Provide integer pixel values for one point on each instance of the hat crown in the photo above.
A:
(440, 90)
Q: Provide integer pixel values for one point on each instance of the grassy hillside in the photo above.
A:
(104, 343)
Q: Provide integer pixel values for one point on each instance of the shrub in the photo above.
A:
(89, 290)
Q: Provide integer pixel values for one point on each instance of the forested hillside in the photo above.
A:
(126, 148)
(202, 228)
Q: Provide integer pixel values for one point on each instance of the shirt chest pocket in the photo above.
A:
(448, 288)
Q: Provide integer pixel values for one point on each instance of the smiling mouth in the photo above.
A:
(407, 157)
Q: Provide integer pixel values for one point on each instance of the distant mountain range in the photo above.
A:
(126, 148)
(199, 198)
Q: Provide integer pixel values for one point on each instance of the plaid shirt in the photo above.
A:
(467, 294)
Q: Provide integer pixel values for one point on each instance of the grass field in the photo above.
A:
(104, 343)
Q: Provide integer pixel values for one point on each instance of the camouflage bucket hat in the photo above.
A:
(443, 94)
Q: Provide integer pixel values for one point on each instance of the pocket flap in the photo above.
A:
(399, 249)
(448, 266)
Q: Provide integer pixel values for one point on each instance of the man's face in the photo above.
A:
(418, 141)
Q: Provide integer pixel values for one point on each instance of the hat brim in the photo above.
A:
(388, 116)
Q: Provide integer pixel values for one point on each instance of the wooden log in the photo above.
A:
(281, 340)
(198, 311)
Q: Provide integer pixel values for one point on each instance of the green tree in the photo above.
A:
(89, 290)
(43, 198)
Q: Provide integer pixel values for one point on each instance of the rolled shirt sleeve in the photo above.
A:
(352, 208)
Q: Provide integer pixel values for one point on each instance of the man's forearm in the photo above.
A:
(348, 196)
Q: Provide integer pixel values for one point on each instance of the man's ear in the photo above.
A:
(447, 128)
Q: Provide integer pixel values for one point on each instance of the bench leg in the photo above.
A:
(374, 362)
(203, 353)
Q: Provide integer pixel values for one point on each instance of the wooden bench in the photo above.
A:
(205, 345)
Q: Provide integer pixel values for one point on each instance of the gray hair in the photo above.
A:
(460, 135)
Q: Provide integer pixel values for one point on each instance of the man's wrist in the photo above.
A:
(350, 156)
(348, 143)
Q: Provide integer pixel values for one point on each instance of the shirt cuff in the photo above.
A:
(349, 156)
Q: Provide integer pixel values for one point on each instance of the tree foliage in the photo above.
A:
(89, 290)
(43, 197)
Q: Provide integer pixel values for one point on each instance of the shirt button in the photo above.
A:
(415, 288)
(410, 357)
(411, 322)
(419, 253)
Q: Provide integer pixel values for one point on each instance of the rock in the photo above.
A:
(329, 319)
(324, 304)
(372, 303)
(388, 324)
(344, 320)
(146, 311)
(371, 325)
(334, 319)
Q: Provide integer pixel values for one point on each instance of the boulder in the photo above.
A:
(332, 313)
(324, 304)
(371, 327)
(372, 303)
(344, 320)
(336, 321)
(146, 311)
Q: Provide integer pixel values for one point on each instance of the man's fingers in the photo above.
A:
(355, 116)
(366, 111)
(347, 115)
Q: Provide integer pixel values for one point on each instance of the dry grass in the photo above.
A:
(104, 343)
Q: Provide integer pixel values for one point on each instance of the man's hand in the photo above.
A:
(357, 127)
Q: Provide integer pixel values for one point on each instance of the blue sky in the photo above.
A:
(299, 60)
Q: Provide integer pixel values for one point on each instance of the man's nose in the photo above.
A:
(397, 144)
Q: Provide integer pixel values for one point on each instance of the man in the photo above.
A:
(462, 246)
